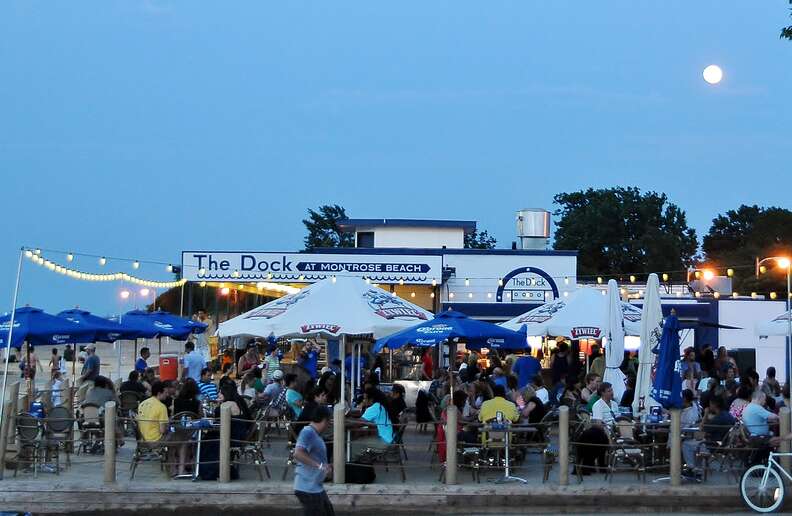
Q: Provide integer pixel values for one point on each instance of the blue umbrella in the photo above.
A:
(39, 328)
(667, 386)
(102, 330)
(455, 325)
(149, 325)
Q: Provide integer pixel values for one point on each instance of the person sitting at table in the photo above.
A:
(273, 389)
(715, 424)
(153, 414)
(741, 402)
(756, 417)
(592, 383)
(534, 410)
(498, 378)
(147, 379)
(329, 383)
(206, 386)
(187, 398)
(101, 392)
(498, 403)
(541, 392)
(314, 399)
(293, 396)
(770, 385)
(690, 415)
(594, 440)
(396, 404)
(246, 388)
(375, 414)
(241, 418)
(133, 384)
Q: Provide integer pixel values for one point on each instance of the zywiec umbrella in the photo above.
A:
(667, 387)
(778, 327)
(614, 347)
(332, 307)
(651, 329)
(582, 315)
(39, 328)
(451, 325)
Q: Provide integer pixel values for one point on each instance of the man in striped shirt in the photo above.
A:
(206, 385)
(272, 363)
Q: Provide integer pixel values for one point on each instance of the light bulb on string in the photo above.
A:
(29, 253)
(37, 252)
(500, 282)
(467, 282)
(136, 264)
(70, 257)
(102, 261)
(169, 268)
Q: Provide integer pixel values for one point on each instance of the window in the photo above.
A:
(365, 239)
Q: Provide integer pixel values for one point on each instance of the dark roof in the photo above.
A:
(437, 252)
(351, 224)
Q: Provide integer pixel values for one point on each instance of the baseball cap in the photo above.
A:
(277, 375)
(90, 346)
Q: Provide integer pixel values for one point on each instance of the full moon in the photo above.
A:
(713, 74)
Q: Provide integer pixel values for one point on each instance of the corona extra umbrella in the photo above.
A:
(450, 325)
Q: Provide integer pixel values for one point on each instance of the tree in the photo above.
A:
(786, 32)
(323, 229)
(739, 236)
(620, 230)
(479, 240)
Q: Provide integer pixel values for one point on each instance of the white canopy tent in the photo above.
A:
(334, 307)
(614, 347)
(651, 330)
(778, 327)
(582, 315)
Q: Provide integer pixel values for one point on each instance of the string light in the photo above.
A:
(124, 294)
(70, 257)
(451, 295)
(434, 282)
(235, 274)
(203, 283)
(773, 295)
(432, 295)
(412, 294)
(401, 282)
(29, 253)
(169, 268)
(467, 282)
(102, 261)
(333, 279)
(113, 276)
(735, 295)
(716, 295)
(730, 272)
(632, 279)
(566, 280)
(489, 295)
(500, 282)
(470, 295)
(665, 276)
(599, 280)
(136, 264)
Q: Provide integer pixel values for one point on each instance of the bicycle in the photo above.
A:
(761, 487)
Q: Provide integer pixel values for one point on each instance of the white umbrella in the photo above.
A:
(331, 307)
(651, 330)
(778, 327)
(582, 315)
(614, 348)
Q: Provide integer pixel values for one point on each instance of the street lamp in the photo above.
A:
(784, 262)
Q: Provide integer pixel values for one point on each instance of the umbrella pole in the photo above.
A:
(134, 357)
(10, 335)
(342, 347)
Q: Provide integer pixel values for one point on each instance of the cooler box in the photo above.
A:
(169, 367)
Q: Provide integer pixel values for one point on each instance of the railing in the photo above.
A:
(556, 449)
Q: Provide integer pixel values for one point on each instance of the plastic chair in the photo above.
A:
(128, 403)
(58, 430)
(91, 425)
(28, 428)
(144, 449)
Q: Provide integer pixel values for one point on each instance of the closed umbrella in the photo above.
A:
(614, 349)
(667, 387)
(651, 329)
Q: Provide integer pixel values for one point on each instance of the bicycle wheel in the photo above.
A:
(767, 498)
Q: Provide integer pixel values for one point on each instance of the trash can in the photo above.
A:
(169, 367)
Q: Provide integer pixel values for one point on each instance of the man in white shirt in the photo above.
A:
(193, 362)
(605, 409)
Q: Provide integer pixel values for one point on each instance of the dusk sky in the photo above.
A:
(141, 128)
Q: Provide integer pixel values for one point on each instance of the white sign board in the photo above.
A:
(309, 267)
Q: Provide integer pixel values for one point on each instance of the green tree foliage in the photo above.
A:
(621, 230)
(479, 240)
(323, 229)
(739, 236)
